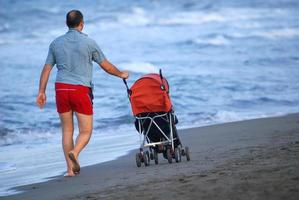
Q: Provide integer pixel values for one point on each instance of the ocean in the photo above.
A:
(225, 60)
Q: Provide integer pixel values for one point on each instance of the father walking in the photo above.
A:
(73, 54)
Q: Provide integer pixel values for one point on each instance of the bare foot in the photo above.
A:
(76, 166)
(69, 173)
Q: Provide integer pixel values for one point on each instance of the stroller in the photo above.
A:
(155, 120)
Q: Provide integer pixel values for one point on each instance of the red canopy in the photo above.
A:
(148, 95)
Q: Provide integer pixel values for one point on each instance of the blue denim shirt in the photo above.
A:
(73, 54)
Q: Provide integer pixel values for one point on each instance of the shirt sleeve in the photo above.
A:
(51, 57)
(96, 53)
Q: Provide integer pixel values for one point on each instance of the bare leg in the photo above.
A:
(67, 126)
(85, 130)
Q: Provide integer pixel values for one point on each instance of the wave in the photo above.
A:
(142, 17)
(8, 137)
(241, 103)
(108, 122)
(36, 136)
(228, 116)
(197, 119)
(218, 40)
(191, 18)
(139, 67)
(273, 34)
(4, 27)
(139, 16)
(5, 166)
(279, 33)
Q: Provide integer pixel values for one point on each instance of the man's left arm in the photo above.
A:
(99, 57)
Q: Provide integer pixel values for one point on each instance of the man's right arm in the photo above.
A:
(111, 69)
(44, 77)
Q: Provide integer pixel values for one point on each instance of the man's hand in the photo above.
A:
(41, 100)
(125, 74)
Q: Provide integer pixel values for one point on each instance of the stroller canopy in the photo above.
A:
(149, 94)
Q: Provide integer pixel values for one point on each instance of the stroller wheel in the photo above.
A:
(156, 157)
(146, 159)
(169, 156)
(151, 156)
(177, 154)
(187, 153)
(138, 160)
(183, 152)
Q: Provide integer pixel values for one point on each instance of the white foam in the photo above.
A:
(53, 10)
(227, 116)
(280, 33)
(137, 17)
(217, 41)
(185, 18)
(139, 67)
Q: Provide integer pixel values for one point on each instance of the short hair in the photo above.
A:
(74, 18)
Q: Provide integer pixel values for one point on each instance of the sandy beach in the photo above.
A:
(253, 159)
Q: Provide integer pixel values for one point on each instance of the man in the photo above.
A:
(73, 54)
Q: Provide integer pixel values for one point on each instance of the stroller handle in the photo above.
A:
(128, 90)
(161, 76)
(160, 73)
(125, 81)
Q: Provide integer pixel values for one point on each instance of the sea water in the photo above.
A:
(225, 61)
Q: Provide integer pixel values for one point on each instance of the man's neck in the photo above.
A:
(76, 28)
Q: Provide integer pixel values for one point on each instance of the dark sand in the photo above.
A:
(254, 159)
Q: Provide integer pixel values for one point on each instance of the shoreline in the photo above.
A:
(217, 153)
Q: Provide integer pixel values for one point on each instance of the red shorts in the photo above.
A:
(77, 98)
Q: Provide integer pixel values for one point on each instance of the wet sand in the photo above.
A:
(253, 159)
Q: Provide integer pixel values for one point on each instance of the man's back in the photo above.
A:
(73, 54)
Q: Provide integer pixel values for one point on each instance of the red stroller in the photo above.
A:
(155, 120)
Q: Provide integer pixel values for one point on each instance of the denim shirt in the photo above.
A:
(73, 54)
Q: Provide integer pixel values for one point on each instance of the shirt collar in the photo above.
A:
(75, 30)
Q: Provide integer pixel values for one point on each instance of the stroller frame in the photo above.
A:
(169, 140)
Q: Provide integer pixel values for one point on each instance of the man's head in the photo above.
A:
(74, 19)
